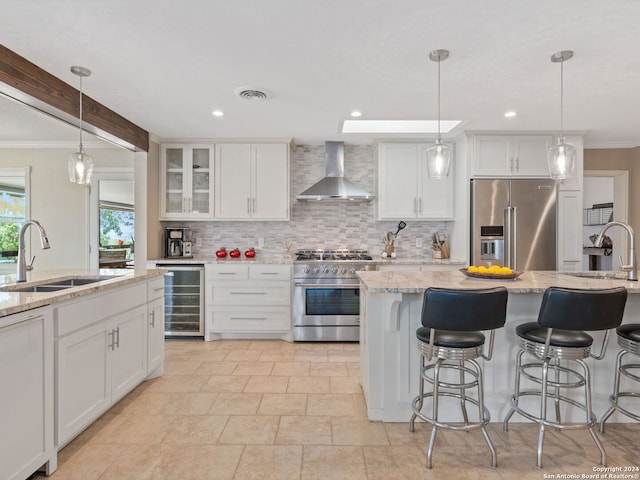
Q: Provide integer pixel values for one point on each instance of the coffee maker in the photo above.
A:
(177, 243)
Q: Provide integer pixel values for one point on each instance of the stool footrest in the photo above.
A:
(542, 421)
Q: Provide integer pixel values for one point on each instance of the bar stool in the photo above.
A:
(629, 341)
(557, 337)
(452, 325)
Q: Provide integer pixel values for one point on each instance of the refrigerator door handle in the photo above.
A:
(514, 231)
(507, 237)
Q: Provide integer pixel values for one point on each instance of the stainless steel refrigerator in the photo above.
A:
(513, 223)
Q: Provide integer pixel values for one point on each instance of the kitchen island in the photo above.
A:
(390, 310)
(72, 343)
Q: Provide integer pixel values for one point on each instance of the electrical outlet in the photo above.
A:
(418, 242)
(260, 242)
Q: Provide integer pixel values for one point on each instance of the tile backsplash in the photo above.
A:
(328, 225)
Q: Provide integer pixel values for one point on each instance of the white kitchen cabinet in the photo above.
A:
(252, 181)
(101, 354)
(26, 394)
(155, 326)
(569, 243)
(186, 182)
(405, 189)
(510, 155)
(252, 300)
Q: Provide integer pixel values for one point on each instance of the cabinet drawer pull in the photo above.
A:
(112, 345)
(227, 273)
(248, 318)
(153, 319)
(269, 273)
(247, 293)
(117, 337)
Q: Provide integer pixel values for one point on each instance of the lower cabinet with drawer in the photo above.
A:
(248, 301)
(105, 345)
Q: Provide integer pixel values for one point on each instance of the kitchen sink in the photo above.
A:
(56, 285)
(598, 275)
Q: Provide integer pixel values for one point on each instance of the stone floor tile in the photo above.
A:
(333, 463)
(250, 430)
(334, 404)
(267, 384)
(303, 430)
(283, 404)
(357, 431)
(270, 462)
(309, 385)
(253, 368)
(293, 369)
(236, 404)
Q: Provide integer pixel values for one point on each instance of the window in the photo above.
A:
(13, 213)
(117, 222)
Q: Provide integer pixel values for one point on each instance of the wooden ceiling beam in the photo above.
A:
(29, 84)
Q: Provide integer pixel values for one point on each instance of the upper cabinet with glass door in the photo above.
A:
(186, 182)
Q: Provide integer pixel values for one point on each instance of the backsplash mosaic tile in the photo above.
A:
(326, 225)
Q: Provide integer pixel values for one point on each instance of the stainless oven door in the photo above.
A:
(326, 310)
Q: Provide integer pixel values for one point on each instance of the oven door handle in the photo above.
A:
(327, 285)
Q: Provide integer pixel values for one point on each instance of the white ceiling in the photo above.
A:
(166, 64)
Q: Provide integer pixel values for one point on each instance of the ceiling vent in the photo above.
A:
(252, 94)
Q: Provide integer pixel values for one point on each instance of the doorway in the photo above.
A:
(601, 188)
(112, 219)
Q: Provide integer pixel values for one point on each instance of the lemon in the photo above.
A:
(483, 269)
(505, 271)
(494, 269)
(472, 268)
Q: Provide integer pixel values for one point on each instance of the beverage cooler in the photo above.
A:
(183, 300)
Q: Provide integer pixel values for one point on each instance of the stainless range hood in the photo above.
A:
(335, 186)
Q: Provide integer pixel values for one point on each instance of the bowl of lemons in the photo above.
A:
(494, 272)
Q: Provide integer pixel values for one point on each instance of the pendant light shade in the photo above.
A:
(80, 163)
(439, 154)
(562, 156)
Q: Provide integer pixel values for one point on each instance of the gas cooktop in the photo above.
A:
(333, 256)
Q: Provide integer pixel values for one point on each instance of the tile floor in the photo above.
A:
(238, 409)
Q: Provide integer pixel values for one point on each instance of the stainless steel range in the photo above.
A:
(326, 294)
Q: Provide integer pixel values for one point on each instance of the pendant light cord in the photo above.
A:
(81, 147)
(438, 99)
(562, 98)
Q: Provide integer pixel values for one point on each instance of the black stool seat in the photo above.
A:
(451, 339)
(630, 331)
(533, 332)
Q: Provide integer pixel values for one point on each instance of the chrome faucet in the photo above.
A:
(631, 269)
(23, 268)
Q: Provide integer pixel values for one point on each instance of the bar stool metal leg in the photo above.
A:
(613, 399)
(463, 406)
(481, 412)
(434, 428)
(420, 399)
(557, 391)
(516, 395)
(591, 418)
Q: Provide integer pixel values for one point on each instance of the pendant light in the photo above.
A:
(439, 154)
(80, 163)
(562, 156)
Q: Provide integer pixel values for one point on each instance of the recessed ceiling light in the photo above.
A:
(398, 126)
(356, 113)
(217, 113)
(510, 114)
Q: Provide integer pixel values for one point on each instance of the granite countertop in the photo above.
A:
(529, 282)
(16, 302)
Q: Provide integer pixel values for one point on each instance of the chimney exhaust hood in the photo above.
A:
(335, 186)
